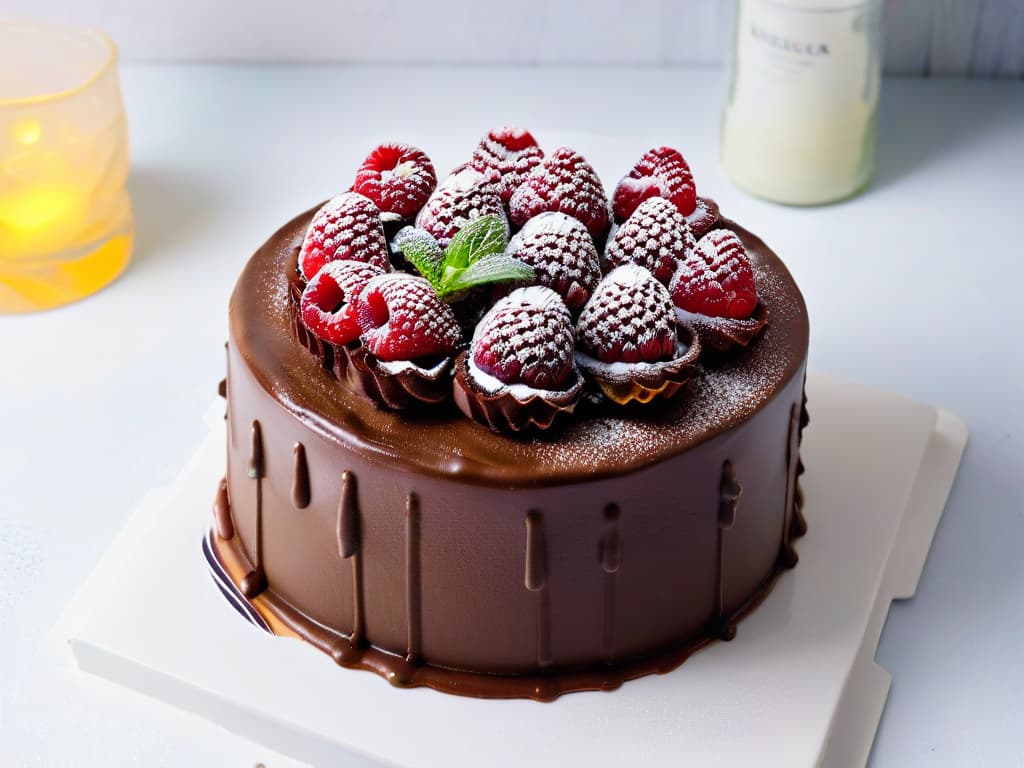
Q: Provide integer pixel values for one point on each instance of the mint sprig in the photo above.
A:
(422, 251)
(475, 256)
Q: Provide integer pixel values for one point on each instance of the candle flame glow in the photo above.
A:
(27, 132)
(40, 208)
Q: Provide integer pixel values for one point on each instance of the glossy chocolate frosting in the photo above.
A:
(433, 551)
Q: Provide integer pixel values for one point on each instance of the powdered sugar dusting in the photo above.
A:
(527, 337)
(397, 177)
(717, 278)
(465, 195)
(512, 152)
(521, 392)
(562, 255)
(462, 179)
(630, 317)
(661, 171)
(655, 236)
(417, 322)
(730, 390)
(348, 227)
(726, 393)
(564, 182)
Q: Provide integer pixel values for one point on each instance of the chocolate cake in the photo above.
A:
(569, 476)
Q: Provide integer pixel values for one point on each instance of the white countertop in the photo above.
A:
(913, 287)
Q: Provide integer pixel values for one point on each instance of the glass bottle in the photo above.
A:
(800, 120)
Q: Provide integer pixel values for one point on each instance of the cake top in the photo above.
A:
(595, 336)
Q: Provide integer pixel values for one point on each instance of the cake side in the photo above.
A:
(385, 567)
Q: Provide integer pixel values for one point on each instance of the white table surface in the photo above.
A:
(914, 287)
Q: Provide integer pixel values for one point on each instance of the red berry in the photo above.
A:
(346, 228)
(661, 172)
(562, 254)
(402, 318)
(465, 195)
(398, 178)
(526, 338)
(656, 237)
(512, 152)
(630, 318)
(326, 304)
(564, 181)
(716, 279)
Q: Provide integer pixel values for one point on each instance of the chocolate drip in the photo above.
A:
(348, 517)
(255, 467)
(536, 559)
(799, 525)
(729, 496)
(254, 583)
(224, 394)
(300, 478)
(787, 554)
(610, 555)
(222, 512)
(412, 577)
(730, 491)
(348, 548)
(536, 581)
(611, 546)
(256, 580)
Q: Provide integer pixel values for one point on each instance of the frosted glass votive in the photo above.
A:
(65, 218)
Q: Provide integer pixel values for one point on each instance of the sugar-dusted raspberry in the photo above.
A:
(661, 172)
(526, 338)
(398, 178)
(512, 152)
(562, 254)
(346, 228)
(564, 181)
(465, 195)
(402, 318)
(716, 279)
(656, 237)
(630, 318)
(326, 304)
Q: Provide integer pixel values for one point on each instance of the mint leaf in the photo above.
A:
(479, 238)
(493, 268)
(422, 251)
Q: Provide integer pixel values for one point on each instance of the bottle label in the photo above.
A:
(789, 54)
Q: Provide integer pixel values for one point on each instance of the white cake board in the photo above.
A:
(797, 687)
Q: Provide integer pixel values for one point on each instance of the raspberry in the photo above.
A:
(526, 338)
(656, 237)
(630, 318)
(661, 172)
(402, 318)
(512, 152)
(398, 178)
(465, 195)
(346, 228)
(562, 254)
(565, 182)
(327, 301)
(716, 279)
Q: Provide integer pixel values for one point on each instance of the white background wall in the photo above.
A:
(941, 37)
